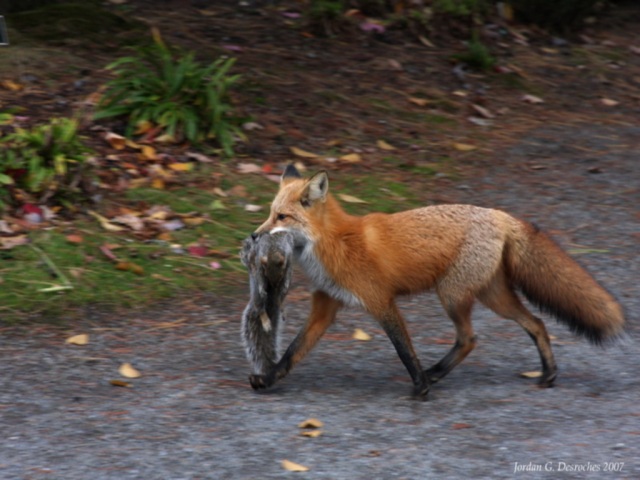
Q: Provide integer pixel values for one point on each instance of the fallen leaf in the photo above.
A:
(126, 370)
(460, 426)
(359, 334)
(217, 205)
(249, 168)
(311, 433)
(425, 41)
(250, 126)
(421, 102)
(350, 198)
(464, 147)
(302, 153)
(106, 250)
(149, 153)
(460, 93)
(116, 141)
(172, 225)
(221, 193)
(7, 243)
(609, 102)
(384, 145)
(73, 238)
(132, 221)
(158, 183)
(130, 267)
(81, 339)
(294, 467)
(199, 157)
(105, 223)
(143, 127)
(252, 208)
(180, 166)
(119, 383)
(532, 99)
(11, 85)
(484, 112)
(198, 250)
(310, 423)
(351, 158)
(533, 374)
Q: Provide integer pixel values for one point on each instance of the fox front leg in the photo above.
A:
(323, 313)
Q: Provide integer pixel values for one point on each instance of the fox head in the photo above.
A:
(294, 205)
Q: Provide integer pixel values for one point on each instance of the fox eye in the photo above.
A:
(281, 216)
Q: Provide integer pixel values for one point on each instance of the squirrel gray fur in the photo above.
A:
(268, 259)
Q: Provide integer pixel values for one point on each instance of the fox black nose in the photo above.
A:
(254, 235)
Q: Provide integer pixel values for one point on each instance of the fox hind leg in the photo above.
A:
(460, 313)
(500, 297)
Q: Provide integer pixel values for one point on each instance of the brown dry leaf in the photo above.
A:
(165, 138)
(532, 99)
(126, 370)
(311, 433)
(460, 426)
(294, 467)
(382, 145)
(116, 141)
(7, 243)
(351, 158)
(310, 423)
(120, 383)
(302, 153)
(421, 102)
(221, 193)
(130, 267)
(105, 223)
(350, 198)
(532, 374)
(193, 221)
(81, 339)
(359, 334)
(464, 147)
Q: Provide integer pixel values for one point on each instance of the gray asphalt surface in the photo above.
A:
(192, 415)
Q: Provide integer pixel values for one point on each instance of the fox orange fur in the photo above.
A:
(463, 252)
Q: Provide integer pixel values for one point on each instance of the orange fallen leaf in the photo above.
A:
(116, 141)
(311, 433)
(143, 127)
(460, 426)
(149, 153)
(181, 166)
(73, 238)
(105, 223)
(310, 423)
(11, 85)
(351, 158)
(533, 374)
(119, 383)
(81, 339)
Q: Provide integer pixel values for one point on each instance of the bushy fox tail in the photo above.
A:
(555, 283)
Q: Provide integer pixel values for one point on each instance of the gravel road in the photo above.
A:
(192, 415)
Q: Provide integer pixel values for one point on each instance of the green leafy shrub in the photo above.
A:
(477, 55)
(171, 89)
(43, 162)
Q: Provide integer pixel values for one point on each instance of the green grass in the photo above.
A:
(28, 273)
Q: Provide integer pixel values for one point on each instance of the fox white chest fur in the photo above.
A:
(319, 277)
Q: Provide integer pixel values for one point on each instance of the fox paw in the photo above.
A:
(420, 391)
(260, 382)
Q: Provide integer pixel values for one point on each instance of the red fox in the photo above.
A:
(462, 251)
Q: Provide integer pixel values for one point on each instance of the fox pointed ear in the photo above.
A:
(316, 189)
(290, 173)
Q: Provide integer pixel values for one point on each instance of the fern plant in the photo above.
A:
(44, 161)
(170, 89)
